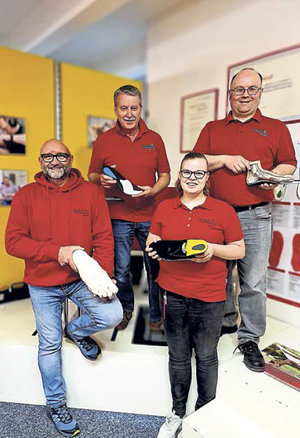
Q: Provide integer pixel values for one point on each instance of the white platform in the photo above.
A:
(134, 378)
(248, 404)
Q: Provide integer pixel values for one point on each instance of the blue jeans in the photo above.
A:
(47, 303)
(124, 232)
(191, 323)
(252, 271)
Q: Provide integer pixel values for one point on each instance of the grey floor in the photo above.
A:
(30, 421)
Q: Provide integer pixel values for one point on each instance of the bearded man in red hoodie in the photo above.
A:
(49, 220)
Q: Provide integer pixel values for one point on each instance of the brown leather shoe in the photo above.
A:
(127, 315)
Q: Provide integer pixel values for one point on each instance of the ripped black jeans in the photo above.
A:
(191, 323)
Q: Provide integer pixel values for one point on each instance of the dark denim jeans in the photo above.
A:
(124, 233)
(191, 323)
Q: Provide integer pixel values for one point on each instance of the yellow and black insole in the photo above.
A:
(179, 249)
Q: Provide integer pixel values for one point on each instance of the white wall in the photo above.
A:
(190, 47)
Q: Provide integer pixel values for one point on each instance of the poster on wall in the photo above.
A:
(195, 111)
(10, 183)
(283, 279)
(281, 82)
(12, 135)
(98, 125)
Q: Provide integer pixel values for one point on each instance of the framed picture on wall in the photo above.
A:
(10, 183)
(281, 82)
(97, 125)
(12, 135)
(195, 111)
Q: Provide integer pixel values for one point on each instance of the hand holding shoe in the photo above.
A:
(96, 279)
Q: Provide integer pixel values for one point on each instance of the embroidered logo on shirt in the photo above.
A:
(207, 221)
(84, 212)
(260, 132)
(150, 147)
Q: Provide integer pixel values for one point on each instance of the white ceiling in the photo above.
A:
(108, 35)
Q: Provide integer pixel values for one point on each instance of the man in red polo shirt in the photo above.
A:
(229, 145)
(138, 154)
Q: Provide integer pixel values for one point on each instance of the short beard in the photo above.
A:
(56, 173)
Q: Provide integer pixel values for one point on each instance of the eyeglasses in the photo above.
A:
(199, 174)
(48, 158)
(239, 91)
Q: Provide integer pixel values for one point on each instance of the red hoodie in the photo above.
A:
(44, 217)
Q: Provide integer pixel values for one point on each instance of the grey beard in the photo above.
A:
(58, 173)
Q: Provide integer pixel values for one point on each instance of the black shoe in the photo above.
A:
(253, 359)
(88, 347)
(127, 315)
(178, 249)
(123, 184)
(63, 420)
(228, 329)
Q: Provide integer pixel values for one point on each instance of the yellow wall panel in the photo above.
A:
(27, 90)
(86, 93)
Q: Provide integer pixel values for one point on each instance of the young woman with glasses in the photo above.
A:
(193, 290)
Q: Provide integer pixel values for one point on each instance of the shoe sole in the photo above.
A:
(255, 369)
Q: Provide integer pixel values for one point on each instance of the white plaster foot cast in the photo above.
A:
(96, 279)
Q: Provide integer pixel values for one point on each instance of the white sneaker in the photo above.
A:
(170, 426)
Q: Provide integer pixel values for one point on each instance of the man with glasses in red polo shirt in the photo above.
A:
(230, 145)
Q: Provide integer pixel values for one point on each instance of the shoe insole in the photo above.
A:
(107, 171)
(128, 187)
(179, 249)
(195, 247)
(124, 184)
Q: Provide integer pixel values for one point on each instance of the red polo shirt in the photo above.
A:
(260, 138)
(214, 221)
(137, 161)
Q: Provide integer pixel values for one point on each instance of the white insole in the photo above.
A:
(128, 189)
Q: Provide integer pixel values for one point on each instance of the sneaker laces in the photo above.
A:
(86, 343)
(172, 419)
(248, 347)
(62, 413)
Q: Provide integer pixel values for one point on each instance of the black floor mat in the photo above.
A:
(142, 334)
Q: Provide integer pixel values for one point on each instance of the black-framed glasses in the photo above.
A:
(48, 158)
(199, 174)
(239, 91)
